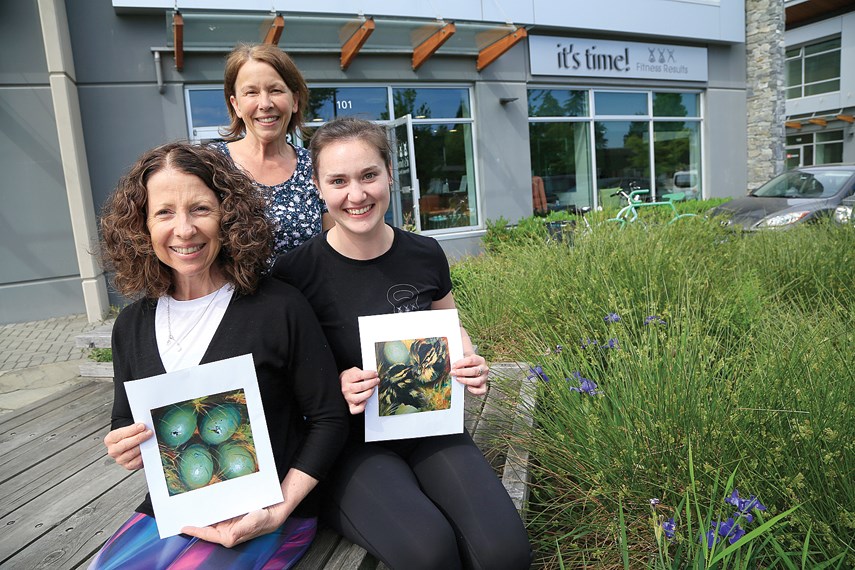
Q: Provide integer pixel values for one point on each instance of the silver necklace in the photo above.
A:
(177, 341)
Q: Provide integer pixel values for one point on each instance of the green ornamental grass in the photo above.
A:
(685, 363)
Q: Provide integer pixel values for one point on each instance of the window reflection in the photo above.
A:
(430, 103)
(446, 173)
(207, 108)
(557, 103)
(622, 158)
(676, 152)
(617, 103)
(327, 103)
(675, 105)
(561, 167)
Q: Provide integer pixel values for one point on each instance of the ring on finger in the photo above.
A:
(480, 371)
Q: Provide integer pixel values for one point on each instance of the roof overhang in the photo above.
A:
(802, 12)
(348, 36)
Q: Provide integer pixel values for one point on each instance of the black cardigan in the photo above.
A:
(305, 411)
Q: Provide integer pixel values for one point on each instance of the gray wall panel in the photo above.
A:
(123, 121)
(504, 162)
(111, 48)
(43, 300)
(726, 144)
(23, 61)
(457, 248)
(726, 66)
(35, 228)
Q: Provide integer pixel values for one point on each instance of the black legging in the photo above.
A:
(432, 503)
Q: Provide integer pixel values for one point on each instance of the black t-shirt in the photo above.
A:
(408, 277)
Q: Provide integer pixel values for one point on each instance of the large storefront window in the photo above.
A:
(813, 69)
(623, 158)
(628, 140)
(560, 150)
(442, 139)
(444, 154)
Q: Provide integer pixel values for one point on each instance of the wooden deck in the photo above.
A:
(62, 497)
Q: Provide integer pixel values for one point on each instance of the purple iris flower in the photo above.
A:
(612, 343)
(612, 318)
(654, 319)
(744, 506)
(654, 501)
(669, 527)
(586, 342)
(728, 529)
(710, 536)
(731, 530)
(538, 373)
(585, 386)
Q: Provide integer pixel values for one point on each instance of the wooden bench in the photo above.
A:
(62, 497)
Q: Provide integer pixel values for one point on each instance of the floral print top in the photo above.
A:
(294, 206)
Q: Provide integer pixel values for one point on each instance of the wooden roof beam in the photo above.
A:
(820, 122)
(427, 48)
(351, 47)
(275, 31)
(845, 118)
(495, 50)
(178, 39)
(793, 125)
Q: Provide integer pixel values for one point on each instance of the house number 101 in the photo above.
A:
(344, 105)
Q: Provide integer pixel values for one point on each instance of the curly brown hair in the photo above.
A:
(284, 66)
(245, 233)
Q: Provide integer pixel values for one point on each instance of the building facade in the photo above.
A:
(820, 82)
(497, 109)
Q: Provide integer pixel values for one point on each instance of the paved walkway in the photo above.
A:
(39, 358)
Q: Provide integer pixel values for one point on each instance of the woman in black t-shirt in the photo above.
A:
(431, 502)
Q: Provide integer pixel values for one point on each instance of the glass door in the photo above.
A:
(403, 209)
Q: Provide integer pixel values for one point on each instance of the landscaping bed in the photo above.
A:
(677, 365)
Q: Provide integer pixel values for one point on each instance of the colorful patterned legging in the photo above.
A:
(137, 546)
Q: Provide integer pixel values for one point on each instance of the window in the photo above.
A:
(444, 154)
(206, 113)
(646, 140)
(327, 103)
(808, 149)
(442, 132)
(813, 69)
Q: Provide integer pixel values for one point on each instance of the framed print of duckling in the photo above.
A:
(412, 354)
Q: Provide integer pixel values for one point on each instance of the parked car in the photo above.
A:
(845, 212)
(801, 195)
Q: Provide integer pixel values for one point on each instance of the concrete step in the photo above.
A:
(96, 338)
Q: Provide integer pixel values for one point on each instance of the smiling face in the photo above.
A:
(263, 101)
(183, 219)
(354, 183)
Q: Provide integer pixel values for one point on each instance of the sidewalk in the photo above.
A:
(39, 358)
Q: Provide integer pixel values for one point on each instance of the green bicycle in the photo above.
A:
(629, 213)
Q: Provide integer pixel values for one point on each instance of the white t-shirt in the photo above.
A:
(184, 329)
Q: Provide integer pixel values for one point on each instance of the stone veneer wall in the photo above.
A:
(764, 46)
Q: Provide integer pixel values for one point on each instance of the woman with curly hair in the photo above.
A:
(185, 231)
(266, 96)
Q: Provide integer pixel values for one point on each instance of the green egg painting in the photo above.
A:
(204, 441)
